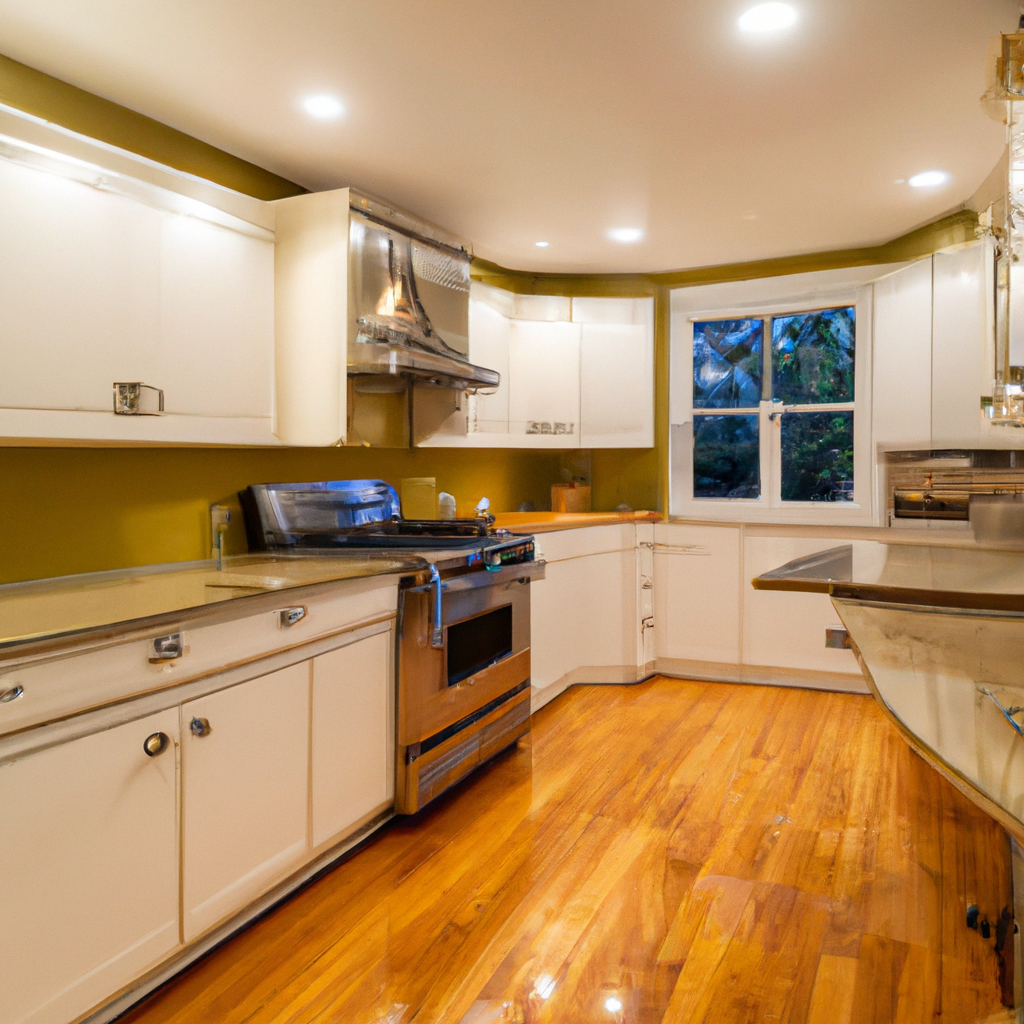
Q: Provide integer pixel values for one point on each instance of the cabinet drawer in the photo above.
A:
(55, 687)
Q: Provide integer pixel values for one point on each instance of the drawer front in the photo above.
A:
(52, 688)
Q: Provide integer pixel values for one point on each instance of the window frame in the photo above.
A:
(763, 300)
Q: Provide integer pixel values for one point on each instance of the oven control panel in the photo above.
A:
(509, 552)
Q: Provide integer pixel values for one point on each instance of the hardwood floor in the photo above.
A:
(671, 851)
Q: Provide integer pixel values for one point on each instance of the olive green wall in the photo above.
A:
(70, 510)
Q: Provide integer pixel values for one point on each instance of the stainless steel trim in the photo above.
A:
(437, 629)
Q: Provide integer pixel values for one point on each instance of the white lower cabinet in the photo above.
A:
(697, 594)
(245, 770)
(89, 886)
(353, 774)
(584, 622)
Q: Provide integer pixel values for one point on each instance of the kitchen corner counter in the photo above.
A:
(967, 577)
(74, 607)
(545, 522)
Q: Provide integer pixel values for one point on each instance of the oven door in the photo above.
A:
(485, 653)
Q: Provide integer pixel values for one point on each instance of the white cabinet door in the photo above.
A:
(962, 344)
(584, 620)
(616, 372)
(245, 767)
(544, 382)
(489, 346)
(697, 594)
(89, 886)
(353, 752)
(98, 286)
(784, 629)
(901, 396)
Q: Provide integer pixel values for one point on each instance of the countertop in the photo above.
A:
(71, 605)
(969, 577)
(545, 522)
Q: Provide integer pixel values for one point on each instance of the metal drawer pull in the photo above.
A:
(6, 696)
(289, 616)
(155, 743)
(200, 727)
(167, 648)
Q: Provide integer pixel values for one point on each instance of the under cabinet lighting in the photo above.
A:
(771, 17)
(542, 245)
(625, 234)
(929, 179)
(323, 108)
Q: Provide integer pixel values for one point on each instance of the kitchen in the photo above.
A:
(221, 798)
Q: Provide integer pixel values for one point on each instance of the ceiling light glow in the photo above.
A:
(613, 1005)
(771, 17)
(323, 107)
(625, 234)
(542, 245)
(929, 179)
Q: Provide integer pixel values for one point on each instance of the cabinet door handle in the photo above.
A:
(200, 727)
(167, 648)
(289, 616)
(155, 743)
(6, 696)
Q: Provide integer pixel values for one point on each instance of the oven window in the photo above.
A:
(478, 642)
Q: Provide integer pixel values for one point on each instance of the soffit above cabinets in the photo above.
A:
(511, 124)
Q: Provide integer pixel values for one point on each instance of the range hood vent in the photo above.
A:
(408, 302)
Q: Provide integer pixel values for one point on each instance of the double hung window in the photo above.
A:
(770, 412)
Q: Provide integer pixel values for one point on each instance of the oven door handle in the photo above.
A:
(437, 629)
(506, 575)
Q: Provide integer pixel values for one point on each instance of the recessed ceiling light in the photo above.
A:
(613, 1005)
(771, 17)
(323, 108)
(542, 245)
(929, 179)
(625, 234)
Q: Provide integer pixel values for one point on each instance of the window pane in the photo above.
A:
(812, 357)
(726, 457)
(817, 456)
(727, 364)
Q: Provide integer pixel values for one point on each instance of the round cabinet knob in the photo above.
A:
(156, 743)
(200, 727)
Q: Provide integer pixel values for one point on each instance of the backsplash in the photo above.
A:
(74, 510)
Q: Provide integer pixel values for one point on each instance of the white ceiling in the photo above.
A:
(513, 121)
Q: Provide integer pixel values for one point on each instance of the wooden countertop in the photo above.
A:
(545, 522)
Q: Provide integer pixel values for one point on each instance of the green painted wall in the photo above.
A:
(71, 510)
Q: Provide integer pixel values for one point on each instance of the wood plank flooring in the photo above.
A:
(667, 852)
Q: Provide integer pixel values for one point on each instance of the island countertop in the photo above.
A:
(72, 606)
(967, 576)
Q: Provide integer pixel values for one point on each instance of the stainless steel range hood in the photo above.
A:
(408, 318)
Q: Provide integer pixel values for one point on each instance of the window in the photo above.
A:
(769, 407)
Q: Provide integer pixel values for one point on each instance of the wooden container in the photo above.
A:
(570, 497)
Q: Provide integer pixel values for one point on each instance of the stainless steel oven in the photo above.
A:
(463, 674)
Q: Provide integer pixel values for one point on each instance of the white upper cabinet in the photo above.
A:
(616, 372)
(575, 372)
(902, 358)
(544, 381)
(963, 347)
(107, 279)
